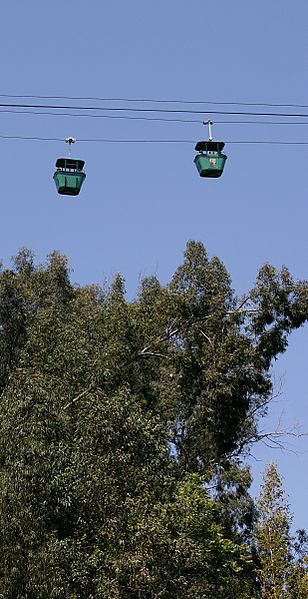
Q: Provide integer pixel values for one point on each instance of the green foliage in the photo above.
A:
(282, 574)
(273, 537)
(71, 478)
(116, 416)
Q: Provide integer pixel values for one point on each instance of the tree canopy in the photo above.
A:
(282, 568)
(123, 425)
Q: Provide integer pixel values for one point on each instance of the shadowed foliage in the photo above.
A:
(123, 425)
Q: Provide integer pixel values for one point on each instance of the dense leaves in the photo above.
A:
(116, 416)
(281, 573)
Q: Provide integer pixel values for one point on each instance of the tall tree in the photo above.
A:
(110, 413)
(273, 537)
(281, 573)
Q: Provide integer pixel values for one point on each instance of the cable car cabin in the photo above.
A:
(69, 176)
(210, 161)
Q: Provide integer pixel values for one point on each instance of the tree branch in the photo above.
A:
(71, 403)
(207, 338)
(145, 353)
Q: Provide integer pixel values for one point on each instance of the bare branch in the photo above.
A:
(243, 302)
(246, 311)
(265, 403)
(151, 354)
(71, 403)
(207, 338)
(144, 350)
(283, 434)
(272, 439)
(246, 299)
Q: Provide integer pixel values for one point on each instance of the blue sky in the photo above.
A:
(142, 202)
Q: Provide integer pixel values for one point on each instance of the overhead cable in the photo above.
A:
(154, 110)
(156, 101)
(153, 141)
(145, 118)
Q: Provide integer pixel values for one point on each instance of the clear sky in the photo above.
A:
(141, 202)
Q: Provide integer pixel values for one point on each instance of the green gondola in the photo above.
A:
(69, 176)
(210, 161)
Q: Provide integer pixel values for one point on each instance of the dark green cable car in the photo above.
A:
(69, 175)
(210, 161)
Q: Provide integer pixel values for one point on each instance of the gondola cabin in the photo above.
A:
(69, 176)
(210, 161)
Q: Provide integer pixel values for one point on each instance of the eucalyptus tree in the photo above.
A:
(282, 563)
(116, 415)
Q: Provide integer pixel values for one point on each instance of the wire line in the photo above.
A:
(145, 118)
(152, 141)
(153, 110)
(155, 100)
